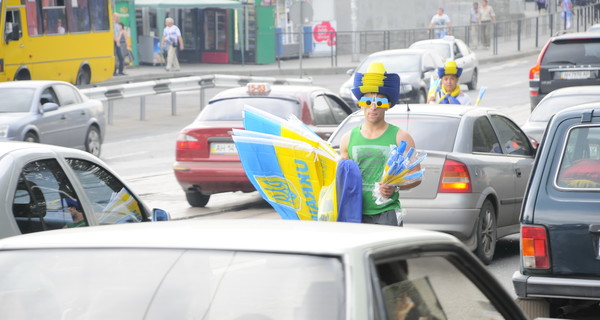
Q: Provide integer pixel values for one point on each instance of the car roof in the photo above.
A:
(394, 52)
(276, 91)
(7, 147)
(575, 90)
(311, 237)
(576, 111)
(29, 83)
(442, 40)
(576, 36)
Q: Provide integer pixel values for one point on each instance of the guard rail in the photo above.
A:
(172, 86)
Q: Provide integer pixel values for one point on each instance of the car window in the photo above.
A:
(484, 137)
(48, 95)
(322, 112)
(40, 199)
(111, 201)
(512, 140)
(463, 47)
(16, 99)
(232, 109)
(431, 284)
(457, 53)
(67, 95)
(573, 52)
(580, 159)
(197, 284)
(339, 109)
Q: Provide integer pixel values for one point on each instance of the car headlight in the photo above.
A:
(3, 130)
(405, 88)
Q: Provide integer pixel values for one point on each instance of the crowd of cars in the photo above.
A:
(512, 180)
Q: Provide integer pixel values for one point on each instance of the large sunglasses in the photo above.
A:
(373, 101)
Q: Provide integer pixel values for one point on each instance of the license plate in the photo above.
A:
(223, 148)
(574, 75)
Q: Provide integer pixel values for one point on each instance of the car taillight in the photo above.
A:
(455, 178)
(534, 247)
(187, 142)
(534, 73)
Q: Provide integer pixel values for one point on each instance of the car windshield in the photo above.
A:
(15, 99)
(169, 284)
(548, 107)
(394, 63)
(232, 109)
(441, 48)
(581, 51)
(434, 133)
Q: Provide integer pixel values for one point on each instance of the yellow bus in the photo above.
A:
(68, 40)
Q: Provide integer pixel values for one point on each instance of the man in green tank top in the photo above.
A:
(369, 144)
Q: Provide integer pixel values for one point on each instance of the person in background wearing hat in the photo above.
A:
(369, 143)
(450, 93)
(75, 210)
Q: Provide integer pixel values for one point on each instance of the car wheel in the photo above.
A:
(486, 233)
(197, 199)
(534, 308)
(31, 137)
(93, 144)
(473, 84)
(83, 77)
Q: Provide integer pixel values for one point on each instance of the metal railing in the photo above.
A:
(506, 35)
(172, 86)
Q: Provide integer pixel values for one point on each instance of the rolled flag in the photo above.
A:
(434, 86)
(481, 94)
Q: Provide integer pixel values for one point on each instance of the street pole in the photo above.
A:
(354, 23)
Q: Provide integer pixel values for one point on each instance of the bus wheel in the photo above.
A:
(83, 77)
(23, 75)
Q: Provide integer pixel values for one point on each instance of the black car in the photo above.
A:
(415, 67)
(560, 224)
(565, 61)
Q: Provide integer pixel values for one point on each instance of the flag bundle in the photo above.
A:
(399, 167)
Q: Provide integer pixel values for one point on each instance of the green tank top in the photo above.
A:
(371, 155)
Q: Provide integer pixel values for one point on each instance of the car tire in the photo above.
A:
(473, 84)
(83, 77)
(197, 199)
(93, 143)
(534, 308)
(486, 233)
(31, 137)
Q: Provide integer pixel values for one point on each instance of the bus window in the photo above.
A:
(12, 28)
(54, 16)
(100, 18)
(78, 14)
(34, 18)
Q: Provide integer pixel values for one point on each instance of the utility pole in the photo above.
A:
(354, 23)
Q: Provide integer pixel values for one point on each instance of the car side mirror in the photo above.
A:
(160, 215)
(49, 106)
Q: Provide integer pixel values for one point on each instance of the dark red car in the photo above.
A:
(206, 160)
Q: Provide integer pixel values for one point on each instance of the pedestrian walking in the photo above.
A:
(173, 40)
(567, 13)
(541, 4)
(440, 22)
(474, 21)
(369, 144)
(487, 17)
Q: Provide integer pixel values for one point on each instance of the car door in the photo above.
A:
(52, 124)
(424, 285)
(75, 114)
(519, 152)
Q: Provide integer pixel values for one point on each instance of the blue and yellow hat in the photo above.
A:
(449, 68)
(376, 79)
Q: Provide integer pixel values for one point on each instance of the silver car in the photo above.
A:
(247, 270)
(476, 171)
(451, 48)
(52, 112)
(45, 187)
(553, 102)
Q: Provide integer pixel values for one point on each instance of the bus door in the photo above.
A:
(12, 42)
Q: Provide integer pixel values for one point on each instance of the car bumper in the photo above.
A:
(212, 177)
(552, 287)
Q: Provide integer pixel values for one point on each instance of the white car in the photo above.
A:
(45, 187)
(246, 269)
(451, 48)
(52, 112)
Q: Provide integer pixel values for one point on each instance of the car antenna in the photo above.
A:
(407, 107)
